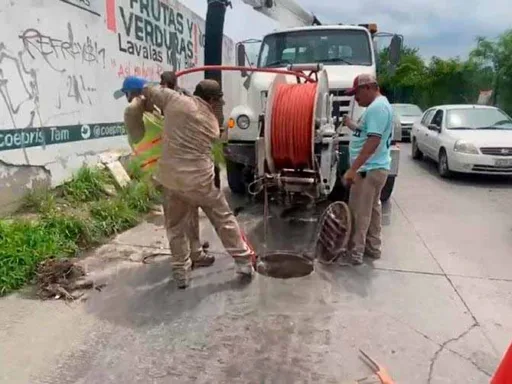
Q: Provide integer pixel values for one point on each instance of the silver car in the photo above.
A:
(407, 114)
(465, 138)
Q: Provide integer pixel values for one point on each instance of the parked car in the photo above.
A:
(465, 138)
(407, 114)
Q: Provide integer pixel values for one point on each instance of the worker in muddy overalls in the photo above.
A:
(186, 171)
(370, 158)
(169, 79)
(133, 119)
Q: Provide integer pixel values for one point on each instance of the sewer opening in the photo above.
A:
(284, 265)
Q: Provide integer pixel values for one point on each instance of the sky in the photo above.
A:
(443, 28)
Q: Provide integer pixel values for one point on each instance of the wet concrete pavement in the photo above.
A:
(437, 308)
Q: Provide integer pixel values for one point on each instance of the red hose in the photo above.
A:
(292, 116)
(248, 69)
(292, 119)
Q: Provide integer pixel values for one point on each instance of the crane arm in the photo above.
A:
(288, 13)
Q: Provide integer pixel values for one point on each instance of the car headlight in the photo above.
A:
(462, 146)
(243, 121)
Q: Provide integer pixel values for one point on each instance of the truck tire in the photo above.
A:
(385, 194)
(236, 180)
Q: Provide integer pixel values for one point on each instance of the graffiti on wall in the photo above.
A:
(56, 74)
(53, 49)
(52, 63)
(153, 30)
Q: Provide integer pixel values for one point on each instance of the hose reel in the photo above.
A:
(300, 146)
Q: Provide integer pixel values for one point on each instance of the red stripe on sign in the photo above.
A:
(111, 15)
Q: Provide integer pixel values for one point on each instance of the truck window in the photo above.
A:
(328, 46)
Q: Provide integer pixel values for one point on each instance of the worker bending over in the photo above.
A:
(133, 119)
(370, 158)
(186, 171)
(198, 253)
(169, 79)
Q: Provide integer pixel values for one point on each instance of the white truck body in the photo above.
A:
(341, 75)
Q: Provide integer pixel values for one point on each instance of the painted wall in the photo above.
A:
(60, 62)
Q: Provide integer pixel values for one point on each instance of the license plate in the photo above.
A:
(503, 162)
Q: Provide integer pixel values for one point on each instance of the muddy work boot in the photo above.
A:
(244, 267)
(372, 255)
(356, 258)
(182, 278)
(202, 259)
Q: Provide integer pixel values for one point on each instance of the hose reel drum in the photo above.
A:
(299, 147)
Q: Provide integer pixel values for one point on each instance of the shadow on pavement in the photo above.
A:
(473, 180)
(145, 296)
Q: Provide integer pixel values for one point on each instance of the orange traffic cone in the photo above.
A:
(503, 374)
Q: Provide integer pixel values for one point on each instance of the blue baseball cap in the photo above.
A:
(130, 84)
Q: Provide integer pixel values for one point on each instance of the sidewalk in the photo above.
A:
(139, 329)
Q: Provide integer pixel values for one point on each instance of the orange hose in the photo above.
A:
(292, 120)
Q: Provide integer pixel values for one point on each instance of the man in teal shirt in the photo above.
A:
(370, 159)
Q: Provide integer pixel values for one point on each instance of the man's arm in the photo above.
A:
(348, 122)
(376, 125)
(158, 96)
(133, 120)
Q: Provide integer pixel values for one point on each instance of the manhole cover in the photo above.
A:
(284, 265)
(334, 230)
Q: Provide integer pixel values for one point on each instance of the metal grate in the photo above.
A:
(491, 169)
(497, 151)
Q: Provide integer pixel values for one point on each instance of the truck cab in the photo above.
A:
(345, 51)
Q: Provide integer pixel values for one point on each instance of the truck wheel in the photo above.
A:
(235, 173)
(416, 153)
(385, 194)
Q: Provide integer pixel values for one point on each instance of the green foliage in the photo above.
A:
(444, 81)
(63, 226)
(87, 185)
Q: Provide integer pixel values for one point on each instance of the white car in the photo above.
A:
(465, 138)
(407, 115)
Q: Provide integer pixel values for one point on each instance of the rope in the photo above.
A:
(292, 119)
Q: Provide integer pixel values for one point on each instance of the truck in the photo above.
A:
(344, 51)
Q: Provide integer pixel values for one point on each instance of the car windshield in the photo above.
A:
(477, 118)
(408, 110)
(328, 46)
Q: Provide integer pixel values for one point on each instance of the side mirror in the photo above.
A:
(395, 50)
(240, 58)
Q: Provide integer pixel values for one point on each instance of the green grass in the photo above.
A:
(66, 221)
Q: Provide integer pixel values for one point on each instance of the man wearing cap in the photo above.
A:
(370, 159)
(186, 171)
(133, 119)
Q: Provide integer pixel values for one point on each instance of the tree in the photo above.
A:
(447, 81)
(496, 58)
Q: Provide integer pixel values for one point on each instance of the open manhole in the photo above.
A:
(284, 265)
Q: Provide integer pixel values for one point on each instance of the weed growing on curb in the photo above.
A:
(66, 221)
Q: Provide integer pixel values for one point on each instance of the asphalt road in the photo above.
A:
(437, 308)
